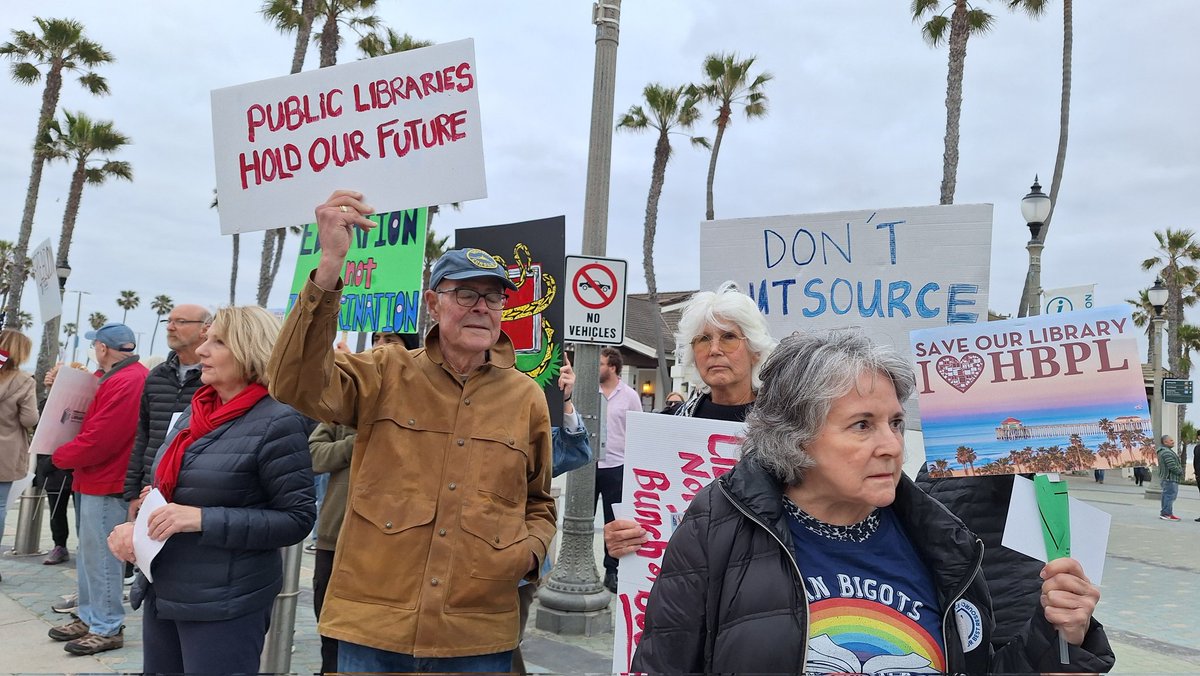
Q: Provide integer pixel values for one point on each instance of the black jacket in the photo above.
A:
(162, 397)
(982, 505)
(253, 478)
(729, 598)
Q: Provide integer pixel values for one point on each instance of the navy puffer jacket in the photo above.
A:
(253, 479)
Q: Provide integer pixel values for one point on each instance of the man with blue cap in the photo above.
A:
(450, 500)
(99, 455)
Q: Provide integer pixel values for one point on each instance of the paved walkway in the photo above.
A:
(1150, 600)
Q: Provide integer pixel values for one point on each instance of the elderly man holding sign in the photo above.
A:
(450, 502)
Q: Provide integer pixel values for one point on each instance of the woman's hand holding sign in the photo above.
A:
(1068, 599)
(336, 219)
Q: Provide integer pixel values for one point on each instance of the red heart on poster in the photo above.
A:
(960, 373)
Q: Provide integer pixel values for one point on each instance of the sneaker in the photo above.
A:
(69, 604)
(129, 579)
(90, 644)
(57, 555)
(69, 632)
(1174, 518)
(310, 547)
(610, 581)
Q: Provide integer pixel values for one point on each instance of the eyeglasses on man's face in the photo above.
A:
(728, 341)
(180, 322)
(469, 297)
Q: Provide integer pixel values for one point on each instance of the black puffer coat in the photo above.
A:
(982, 505)
(162, 397)
(729, 598)
(253, 479)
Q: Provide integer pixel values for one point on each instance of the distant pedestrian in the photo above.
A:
(1172, 474)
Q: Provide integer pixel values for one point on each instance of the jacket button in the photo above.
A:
(512, 442)
(467, 402)
(388, 524)
(442, 532)
(435, 582)
(312, 299)
(497, 539)
(412, 422)
(461, 442)
(453, 486)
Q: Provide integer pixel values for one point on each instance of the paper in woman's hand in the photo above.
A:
(146, 548)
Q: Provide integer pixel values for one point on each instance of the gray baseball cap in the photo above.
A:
(115, 335)
(467, 264)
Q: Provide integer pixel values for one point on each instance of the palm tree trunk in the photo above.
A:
(49, 349)
(264, 269)
(658, 174)
(47, 355)
(308, 11)
(233, 274)
(1064, 117)
(712, 168)
(329, 41)
(16, 276)
(954, 79)
(153, 337)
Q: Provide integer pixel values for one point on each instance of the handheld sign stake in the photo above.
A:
(1056, 528)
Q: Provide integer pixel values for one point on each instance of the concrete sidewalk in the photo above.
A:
(1148, 605)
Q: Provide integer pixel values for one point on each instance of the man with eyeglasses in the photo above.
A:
(169, 389)
(449, 491)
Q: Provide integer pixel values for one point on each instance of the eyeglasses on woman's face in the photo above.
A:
(728, 341)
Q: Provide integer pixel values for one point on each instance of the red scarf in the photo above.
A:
(208, 413)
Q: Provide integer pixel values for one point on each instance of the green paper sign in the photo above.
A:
(382, 276)
(1055, 516)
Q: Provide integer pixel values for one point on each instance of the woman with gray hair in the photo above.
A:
(816, 554)
(724, 339)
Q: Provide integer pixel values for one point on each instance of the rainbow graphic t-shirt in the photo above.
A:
(873, 607)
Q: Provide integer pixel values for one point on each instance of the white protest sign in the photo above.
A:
(62, 416)
(45, 276)
(888, 271)
(1089, 529)
(668, 459)
(403, 129)
(594, 311)
(1068, 299)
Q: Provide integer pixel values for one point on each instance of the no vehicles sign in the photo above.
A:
(594, 311)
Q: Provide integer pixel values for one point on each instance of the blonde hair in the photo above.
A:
(18, 346)
(249, 332)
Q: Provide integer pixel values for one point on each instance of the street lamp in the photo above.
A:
(64, 271)
(1157, 296)
(1035, 208)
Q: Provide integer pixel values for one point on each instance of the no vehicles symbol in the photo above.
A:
(594, 286)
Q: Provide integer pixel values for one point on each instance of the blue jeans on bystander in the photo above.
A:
(354, 658)
(100, 573)
(1170, 489)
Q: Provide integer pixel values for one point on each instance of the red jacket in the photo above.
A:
(99, 454)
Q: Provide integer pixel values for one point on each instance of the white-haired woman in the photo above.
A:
(724, 338)
(815, 554)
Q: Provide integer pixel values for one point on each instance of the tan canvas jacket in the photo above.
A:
(449, 486)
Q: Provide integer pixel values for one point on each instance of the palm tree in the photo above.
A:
(59, 46)
(128, 301)
(96, 320)
(1175, 264)
(24, 321)
(964, 22)
(162, 306)
(1143, 311)
(1035, 8)
(8, 259)
(727, 83)
(1189, 339)
(965, 455)
(286, 18)
(941, 467)
(388, 41)
(86, 143)
(670, 108)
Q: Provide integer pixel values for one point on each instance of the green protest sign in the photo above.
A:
(1055, 515)
(382, 276)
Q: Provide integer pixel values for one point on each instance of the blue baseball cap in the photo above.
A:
(468, 264)
(115, 335)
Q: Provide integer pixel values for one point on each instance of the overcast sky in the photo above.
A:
(856, 121)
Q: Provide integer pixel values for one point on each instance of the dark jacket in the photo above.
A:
(253, 479)
(162, 397)
(729, 598)
(981, 503)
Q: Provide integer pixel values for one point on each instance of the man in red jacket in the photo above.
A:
(99, 454)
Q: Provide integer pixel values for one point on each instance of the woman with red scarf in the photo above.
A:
(237, 477)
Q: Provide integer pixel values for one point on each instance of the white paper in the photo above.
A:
(1089, 529)
(270, 179)
(62, 416)
(45, 277)
(146, 548)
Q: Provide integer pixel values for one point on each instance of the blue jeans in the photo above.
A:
(320, 484)
(100, 573)
(1170, 489)
(5, 487)
(354, 658)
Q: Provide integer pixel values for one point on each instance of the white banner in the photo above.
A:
(62, 416)
(1068, 299)
(45, 276)
(403, 129)
(668, 459)
(888, 271)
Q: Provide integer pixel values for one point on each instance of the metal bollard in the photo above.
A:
(29, 523)
(277, 649)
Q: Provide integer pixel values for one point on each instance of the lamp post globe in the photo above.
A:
(1035, 208)
(1157, 295)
